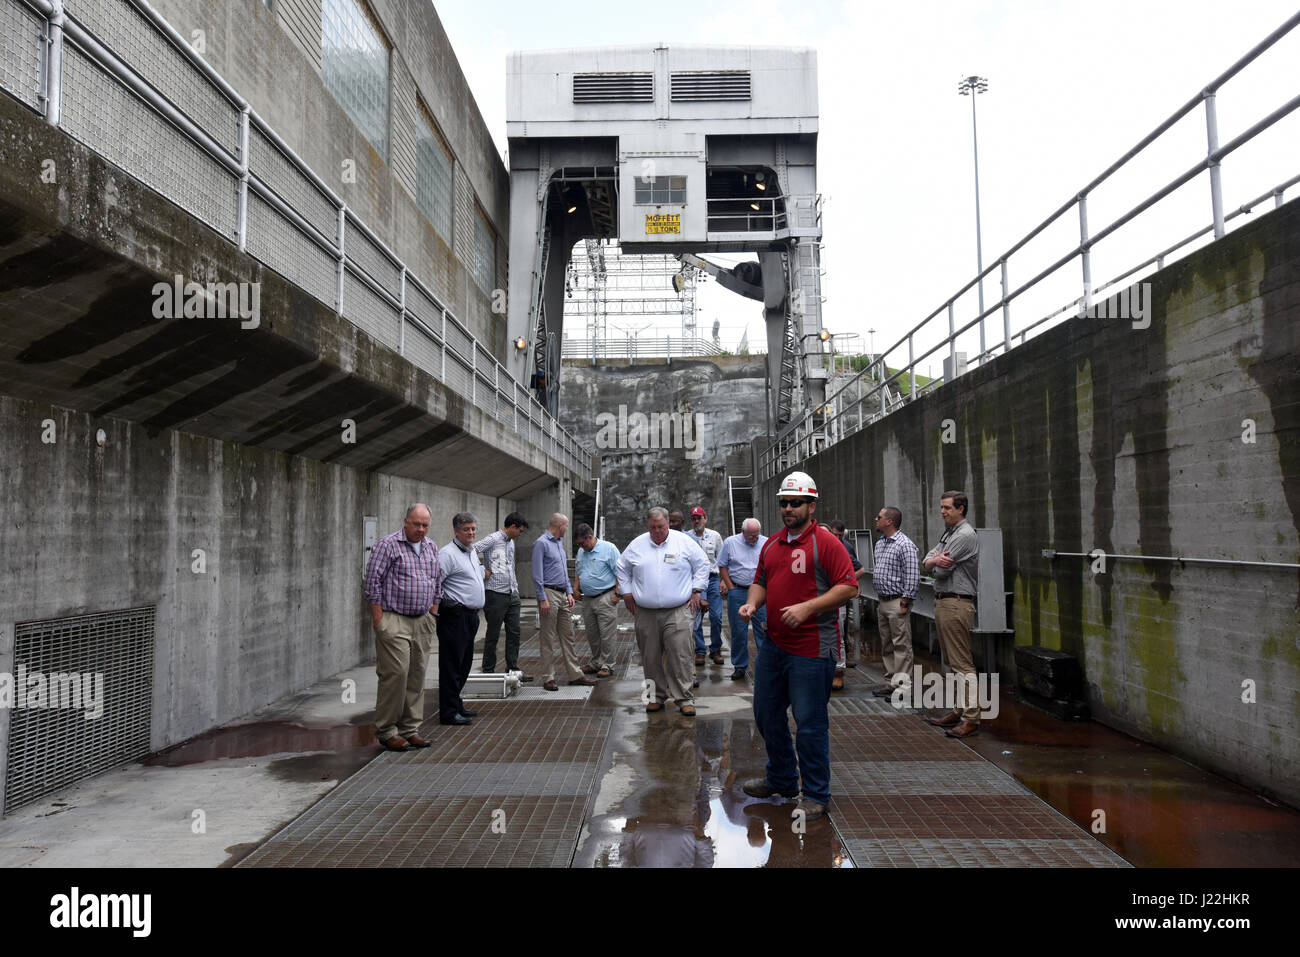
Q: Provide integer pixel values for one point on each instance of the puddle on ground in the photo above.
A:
(261, 738)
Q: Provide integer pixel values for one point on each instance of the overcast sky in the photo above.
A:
(1072, 86)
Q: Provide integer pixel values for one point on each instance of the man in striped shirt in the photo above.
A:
(403, 584)
(896, 576)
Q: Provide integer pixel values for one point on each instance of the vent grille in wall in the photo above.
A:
(613, 88)
(56, 738)
(721, 85)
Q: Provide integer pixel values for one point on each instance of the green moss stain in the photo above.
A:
(1152, 648)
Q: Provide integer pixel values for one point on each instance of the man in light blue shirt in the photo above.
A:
(736, 566)
(710, 543)
(597, 569)
(554, 603)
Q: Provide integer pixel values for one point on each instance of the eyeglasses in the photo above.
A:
(792, 502)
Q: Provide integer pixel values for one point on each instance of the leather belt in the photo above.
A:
(599, 593)
(953, 594)
(889, 597)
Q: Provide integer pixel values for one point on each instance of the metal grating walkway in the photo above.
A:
(509, 791)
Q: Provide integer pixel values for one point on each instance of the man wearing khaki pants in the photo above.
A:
(403, 584)
(661, 576)
(954, 564)
(554, 604)
(895, 577)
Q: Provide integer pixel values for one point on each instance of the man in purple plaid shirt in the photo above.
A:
(896, 576)
(403, 587)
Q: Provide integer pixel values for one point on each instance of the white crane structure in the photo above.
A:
(668, 150)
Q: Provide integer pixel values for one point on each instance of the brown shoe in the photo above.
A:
(688, 710)
(416, 741)
(395, 743)
(717, 657)
(654, 706)
(588, 670)
(551, 685)
(837, 683)
(949, 720)
(964, 730)
(582, 681)
(604, 673)
(699, 660)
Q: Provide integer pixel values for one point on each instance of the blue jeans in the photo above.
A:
(803, 685)
(740, 627)
(714, 594)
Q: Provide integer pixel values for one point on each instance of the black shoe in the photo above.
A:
(466, 713)
(455, 719)
(883, 693)
(738, 674)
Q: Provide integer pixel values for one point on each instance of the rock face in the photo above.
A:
(667, 435)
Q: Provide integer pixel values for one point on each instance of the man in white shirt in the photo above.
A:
(661, 576)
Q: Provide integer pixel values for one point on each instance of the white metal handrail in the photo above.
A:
(555, 441)
(842, 414)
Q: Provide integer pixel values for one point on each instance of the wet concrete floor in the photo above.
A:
(668, 790)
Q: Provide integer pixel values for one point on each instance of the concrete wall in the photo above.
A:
(1097, 435)
(725, 397)
(279, 606)
(261, 54)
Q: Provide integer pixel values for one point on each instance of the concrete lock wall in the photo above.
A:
(278, 602)
(707, 413)
(273, 59)
(1182, 439)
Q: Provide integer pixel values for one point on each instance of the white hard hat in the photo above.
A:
(798, 483)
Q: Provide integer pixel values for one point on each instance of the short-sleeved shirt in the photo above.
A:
(740, 559)
(797, 571)
(711, 544)
(597, 569)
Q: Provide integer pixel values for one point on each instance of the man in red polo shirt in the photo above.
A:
(803, 576)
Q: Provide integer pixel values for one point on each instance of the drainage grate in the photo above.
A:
(83, 699)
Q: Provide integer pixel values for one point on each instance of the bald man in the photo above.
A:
(555, 603)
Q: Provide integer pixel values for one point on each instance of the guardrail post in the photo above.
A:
(54, 66)
(401, 313)
(1006, 311)
(473, 373)
(241, 226)
(1216, 185)
(442, 370)
(1086, 252)
(911, 364)
(952, 343)
(342, 239)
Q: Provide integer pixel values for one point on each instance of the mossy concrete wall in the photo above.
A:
(1181, 439)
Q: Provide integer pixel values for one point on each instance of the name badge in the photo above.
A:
(669, 559)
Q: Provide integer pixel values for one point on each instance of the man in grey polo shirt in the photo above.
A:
(554, 604)
(462, 600)
(954, 564)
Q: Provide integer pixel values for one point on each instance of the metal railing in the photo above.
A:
(639, 347)
(874, 392)
(154, 107)
(765, 214)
